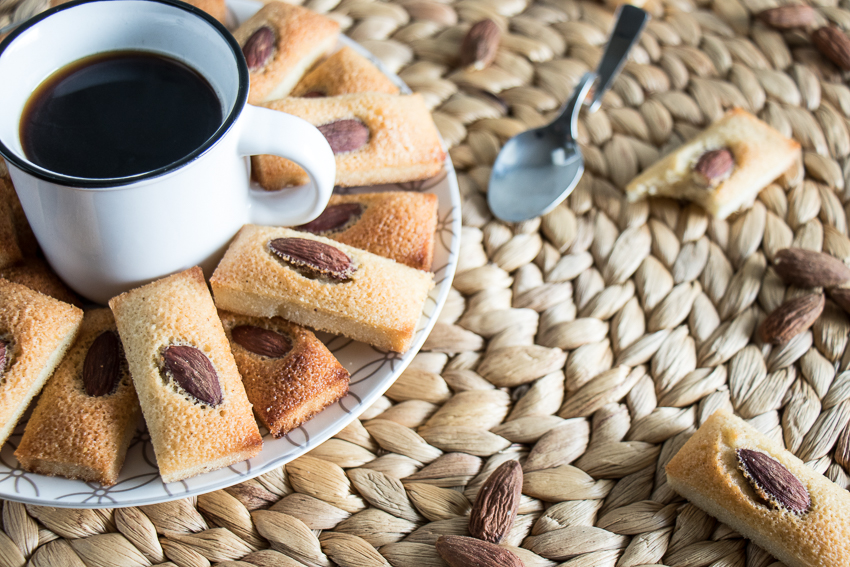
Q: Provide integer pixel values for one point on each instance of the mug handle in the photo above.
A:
(266, 131)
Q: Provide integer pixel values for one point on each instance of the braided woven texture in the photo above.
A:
(588, 344)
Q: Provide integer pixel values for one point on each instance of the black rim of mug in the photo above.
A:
(119, 182)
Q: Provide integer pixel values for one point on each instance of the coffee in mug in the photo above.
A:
(117, 114)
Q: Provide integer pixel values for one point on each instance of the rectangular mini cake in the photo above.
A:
(289, 374)
(377, 138)
(757, 487)
(398, 225)
(326, 285)
(191, 394)
(36, 274)
(281, 42)
(723, 168)
(344, 72)
(88, 412)
(35, 333)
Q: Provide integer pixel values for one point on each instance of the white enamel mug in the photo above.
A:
(105, 236)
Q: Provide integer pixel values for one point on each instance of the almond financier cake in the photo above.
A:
(344, 72)
(289, 374)
(281, 42)
(88, 412)
(757, 487)
(37, 275)
(323, 284)
(35, 333)
(376, 138)
(398, 225)
(723, 168)
(191, 394)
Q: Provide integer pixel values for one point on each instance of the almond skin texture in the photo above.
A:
(332, 218)
(345, 135)
(460, 551)
(496, 506)
(806, 268)
(714, 166)
(788, 17)
(773, 482)
(792, 318)
(193, 371)
(4, 356)
(841, 296)
(313, 258)
(480, 45)
(102, 366)
(833, 44)
(261, 341)
(259, 47)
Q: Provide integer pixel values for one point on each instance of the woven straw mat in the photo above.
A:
(588, 344)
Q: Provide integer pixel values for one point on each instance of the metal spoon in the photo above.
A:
(537, 169)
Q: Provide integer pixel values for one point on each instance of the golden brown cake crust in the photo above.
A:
(75, 435)
(188, 437)
(398, 225)
(40, 330)
(380, 304)
(289, 390)
(37, 275)
(761, 154)
(403, 144)
(345, 72)
(302, 37)
(23, 235)
(705, 472)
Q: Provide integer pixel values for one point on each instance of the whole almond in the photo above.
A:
(714, 166)
(773, 482)
(194, 372)
(259, 47)
(345, 135)
(461, 551)
(791, 318)
(480, 45)
(833, 44)
(264, 342)
(313, 257)
(102, 365)
(806, 268)
(788, 17)
(333, 218)
(495, 508)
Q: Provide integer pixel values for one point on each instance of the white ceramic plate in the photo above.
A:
(372, 372)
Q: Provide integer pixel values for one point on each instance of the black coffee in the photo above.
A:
(118, 114)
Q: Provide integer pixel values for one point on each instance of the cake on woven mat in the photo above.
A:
(281, 42)
(377, 138)
(88, 412)
(760, 489)
(323, 284)
(35, 333)
(289, 374)
(723, 168)
(344, 72)
(191, 394)
(399, 225)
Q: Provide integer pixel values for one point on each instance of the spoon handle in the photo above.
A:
(630, 23)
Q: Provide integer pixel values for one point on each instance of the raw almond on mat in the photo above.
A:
(807, 268)
(833, 44)
(788, 17)
(792, 318)
(495, 508)
(480, 45)
(461, 551)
